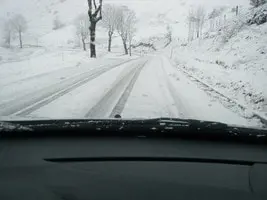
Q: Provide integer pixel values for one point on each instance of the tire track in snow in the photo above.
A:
(122, 89)
(178, 103)
(164, 91)
(37, 76)
(35, 100)
(124, 97)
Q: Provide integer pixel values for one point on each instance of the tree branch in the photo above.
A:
(95, 4)
(99, 9)
(90, 9)
(89, 4)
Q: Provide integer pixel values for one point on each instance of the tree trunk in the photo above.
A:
(109, 41)
(193, 31)
(9, 43)
(8, 40)
(190, 31)
(84, 45)
(92, 40)
(125, 47)
(130, 49)
(198, 29)
(20, 40)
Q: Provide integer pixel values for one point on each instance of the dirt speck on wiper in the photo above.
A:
(6, 126)
(261, 135)
(169, 128)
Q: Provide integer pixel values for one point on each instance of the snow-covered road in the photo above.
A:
(162, 90)
(145, 87)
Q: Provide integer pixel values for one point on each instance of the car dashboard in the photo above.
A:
(136, 166)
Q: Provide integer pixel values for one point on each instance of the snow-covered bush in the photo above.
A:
(231, 29)
(142, 44)
(259, 17)
(257, 3)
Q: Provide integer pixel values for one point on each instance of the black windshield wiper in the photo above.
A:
(161, 127)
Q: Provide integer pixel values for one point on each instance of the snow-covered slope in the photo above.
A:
(236, 66)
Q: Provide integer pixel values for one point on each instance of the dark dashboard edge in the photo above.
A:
(162, 127)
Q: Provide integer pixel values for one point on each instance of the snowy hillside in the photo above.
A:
(236, 66)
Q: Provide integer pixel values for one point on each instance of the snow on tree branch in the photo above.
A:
(125, 26)
(109, 21)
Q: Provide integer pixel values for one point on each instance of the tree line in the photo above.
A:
(118, 20)
(196, 19)
(14, 28)
(115, 19)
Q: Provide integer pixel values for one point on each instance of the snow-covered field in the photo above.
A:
(52, 78)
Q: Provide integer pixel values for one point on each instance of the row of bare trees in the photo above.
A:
(14, 28)
(215, 19)
(196, 19)
(118, 20)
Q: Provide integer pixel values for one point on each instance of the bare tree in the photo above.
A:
(131, 21)
(168, 35)
(82, 29)
(126, 26)
(213, 17)
(191, 22)
(109, 21)
(8, 30)
(200, 19)
(196, 19)
(19, 24)
(95, 15)
(122, 27)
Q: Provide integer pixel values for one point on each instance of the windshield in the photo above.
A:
(134, 59)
